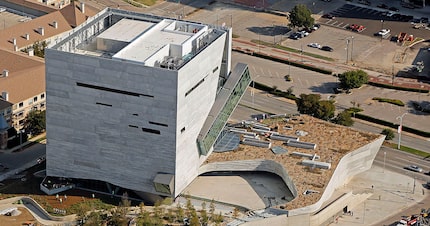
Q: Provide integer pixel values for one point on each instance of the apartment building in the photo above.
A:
(22, 74)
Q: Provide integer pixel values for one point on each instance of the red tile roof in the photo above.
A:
(31, 27)
(26, 75)
(74, 15)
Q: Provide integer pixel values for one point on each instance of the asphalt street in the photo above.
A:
(261, 102)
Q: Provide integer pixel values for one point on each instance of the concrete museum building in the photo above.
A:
(138, 100)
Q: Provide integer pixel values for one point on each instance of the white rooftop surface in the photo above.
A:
(151, 41)
(125, 30)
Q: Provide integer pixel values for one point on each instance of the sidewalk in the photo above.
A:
(25, 144)
(392, 193)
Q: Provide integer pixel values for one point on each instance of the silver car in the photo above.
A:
(414, 168)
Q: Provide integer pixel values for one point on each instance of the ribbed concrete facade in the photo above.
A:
(124, 121)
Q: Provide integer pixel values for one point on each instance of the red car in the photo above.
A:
(356, 27)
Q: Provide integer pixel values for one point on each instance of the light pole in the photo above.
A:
(399, 129)
(20, 138)
(289, 64)
(347, 47)
(352, 46)
(385, 155)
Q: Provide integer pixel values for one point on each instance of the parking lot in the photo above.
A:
(373, 20)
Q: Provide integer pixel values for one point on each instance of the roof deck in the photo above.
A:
(140, 38)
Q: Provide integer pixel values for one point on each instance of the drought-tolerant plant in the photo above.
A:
(389, 134)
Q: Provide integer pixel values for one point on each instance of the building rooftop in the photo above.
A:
(162, 35)
(141, 38)
(329, 150)
(26, 75)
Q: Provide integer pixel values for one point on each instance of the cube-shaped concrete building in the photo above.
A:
(137, 100)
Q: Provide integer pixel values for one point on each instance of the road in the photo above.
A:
(396, 161)
(261, 102)
(19, 161)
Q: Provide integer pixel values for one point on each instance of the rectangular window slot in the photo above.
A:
(215, 69)
(194, 87)
(158, 124)
(107, 105)
(113, 90)
(136, 114)
(183, 130)
(151, 130)
(133, 126)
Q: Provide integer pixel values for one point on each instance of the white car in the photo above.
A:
(414, 168)
(304, 33)
(384, 32)
(314, 45)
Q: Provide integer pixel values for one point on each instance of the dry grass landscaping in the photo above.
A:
(333, 142)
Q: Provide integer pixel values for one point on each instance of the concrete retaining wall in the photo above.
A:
(351, 164)
(252, 165)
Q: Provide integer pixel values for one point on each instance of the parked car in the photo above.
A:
(382, 6)
(328, 16)
(383, 32)
(314, 45)
(364, 2)
(316, 27)
(388, 14)
(304, 33)
(295, 36)
(356, 27)
(394, 9)
(414, 168)
(327, 48)
(408, 5)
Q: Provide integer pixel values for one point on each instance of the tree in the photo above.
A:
(353, 79)
(35, 122)
(312, 104)
(344, 118)
(325, 110)
(389, 134)
(308, 103)
(39, 48)
(301, 16)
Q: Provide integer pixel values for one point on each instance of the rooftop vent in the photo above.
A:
(14, 41)
(27, 36)
(82, 7)
(5, 73)
(31, 52)
(5, 95)
(15, 48)
(55, 24)
(41, 31)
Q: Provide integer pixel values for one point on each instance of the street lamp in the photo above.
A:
(399, 129)
(20, 138)
(352, 46)
(347, 47)
(385, 155)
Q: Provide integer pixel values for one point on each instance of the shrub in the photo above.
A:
(389, 134)
(391, 101)
(344, 118)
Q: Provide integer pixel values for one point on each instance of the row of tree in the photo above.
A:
(158, 215)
